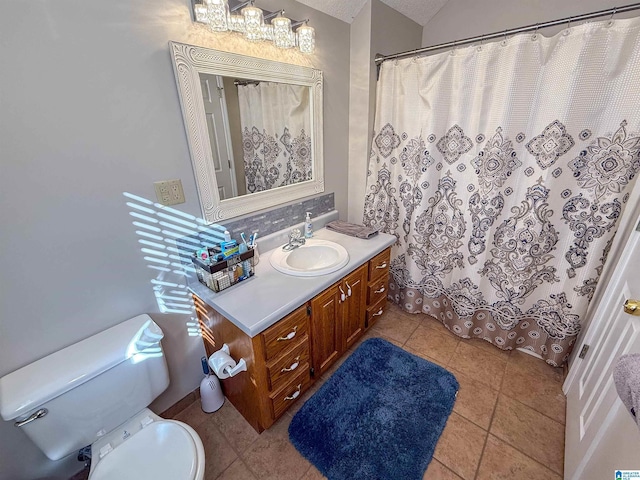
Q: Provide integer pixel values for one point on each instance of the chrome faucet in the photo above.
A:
(295, 240)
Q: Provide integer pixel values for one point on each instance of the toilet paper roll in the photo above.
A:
(221, 362)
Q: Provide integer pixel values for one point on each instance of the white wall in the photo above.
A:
(376, 29)
(89, 110)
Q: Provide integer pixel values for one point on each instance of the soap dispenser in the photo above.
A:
(308, 226)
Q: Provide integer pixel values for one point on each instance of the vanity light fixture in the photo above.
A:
(251, 21)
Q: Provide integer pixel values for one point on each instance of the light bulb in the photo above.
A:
(217, 14)
(306, 39)
(281, 32)
(253, 23)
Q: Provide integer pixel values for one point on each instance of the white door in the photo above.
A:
(218, 128)
(601, 436)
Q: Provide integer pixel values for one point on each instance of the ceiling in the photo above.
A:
(420, 11)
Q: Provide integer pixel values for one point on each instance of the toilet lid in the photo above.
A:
(162, 450)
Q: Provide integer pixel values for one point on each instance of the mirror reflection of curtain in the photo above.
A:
(275, 121)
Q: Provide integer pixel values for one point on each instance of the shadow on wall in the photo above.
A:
(166, 236)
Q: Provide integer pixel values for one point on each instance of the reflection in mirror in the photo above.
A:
(259, 133)
(254, 129)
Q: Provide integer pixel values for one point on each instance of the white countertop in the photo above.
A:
(260, 301)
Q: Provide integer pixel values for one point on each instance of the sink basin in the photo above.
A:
(314, 258)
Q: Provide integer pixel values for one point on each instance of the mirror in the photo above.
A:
(254, 129)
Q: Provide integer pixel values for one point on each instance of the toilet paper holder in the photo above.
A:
(223, 365)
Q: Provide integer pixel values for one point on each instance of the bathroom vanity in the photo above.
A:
(289, 329)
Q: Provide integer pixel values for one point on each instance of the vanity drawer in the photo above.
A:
(377, 289)
(281, 370)
(283, 398)
(374, 311)
(379, 265)
(285, 333)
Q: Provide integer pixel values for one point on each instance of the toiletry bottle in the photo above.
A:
(308, 226)
(227, 236)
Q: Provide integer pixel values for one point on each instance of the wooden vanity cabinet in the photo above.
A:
(285, 359)
(337, 319)
(278, 362)
(378, 268)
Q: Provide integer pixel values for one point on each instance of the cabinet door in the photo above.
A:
(326, 329)
(354, 307)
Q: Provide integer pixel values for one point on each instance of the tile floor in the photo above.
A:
(507, 422)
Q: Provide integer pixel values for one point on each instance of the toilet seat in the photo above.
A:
(164, 449)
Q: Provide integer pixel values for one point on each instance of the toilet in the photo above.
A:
(96, 392)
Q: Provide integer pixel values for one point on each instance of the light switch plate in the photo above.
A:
(169, 192)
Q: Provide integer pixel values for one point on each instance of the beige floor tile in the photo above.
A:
(489, 348)
(529, 431)
(431, 322)
(272, 456)
(218, 452)
(530, 364)
(540, 392)
(475, 401)
(237, 471)
(395, 326)
(432, 343)
(460, 446)
(193, 414)
(501, 461)
(313, 474)
(426, 357)
(478, 364)
(437, 471)
(234, 427)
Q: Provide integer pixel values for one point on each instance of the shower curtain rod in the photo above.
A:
(245, 82)
(379, 58)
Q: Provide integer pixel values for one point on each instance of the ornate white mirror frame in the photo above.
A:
(188, 62)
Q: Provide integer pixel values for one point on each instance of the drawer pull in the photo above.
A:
(378, 313)
(292, 367)
(384, 265)
(289, 336)
(348, 289)
(295, 394)
(379, 291)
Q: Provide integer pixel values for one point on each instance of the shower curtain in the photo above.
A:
(275, 121)
(503, 170)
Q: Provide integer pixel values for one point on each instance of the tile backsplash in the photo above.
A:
(264, 223)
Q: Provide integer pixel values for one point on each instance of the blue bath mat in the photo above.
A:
(379, 416)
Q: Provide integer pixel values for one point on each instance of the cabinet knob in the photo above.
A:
(379, 291)
(384, 265)
(343, 297)
(348, 288)
(378, 313)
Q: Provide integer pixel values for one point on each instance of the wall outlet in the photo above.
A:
(169, 192)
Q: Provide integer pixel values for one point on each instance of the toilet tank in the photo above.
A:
(88, 388)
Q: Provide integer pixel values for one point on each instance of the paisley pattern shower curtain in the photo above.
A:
(275, 121)
(503, 171)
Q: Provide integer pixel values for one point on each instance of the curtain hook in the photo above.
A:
(535, 33)
(504, 37)
(610, 22)
(567, 30)
(479, 47)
